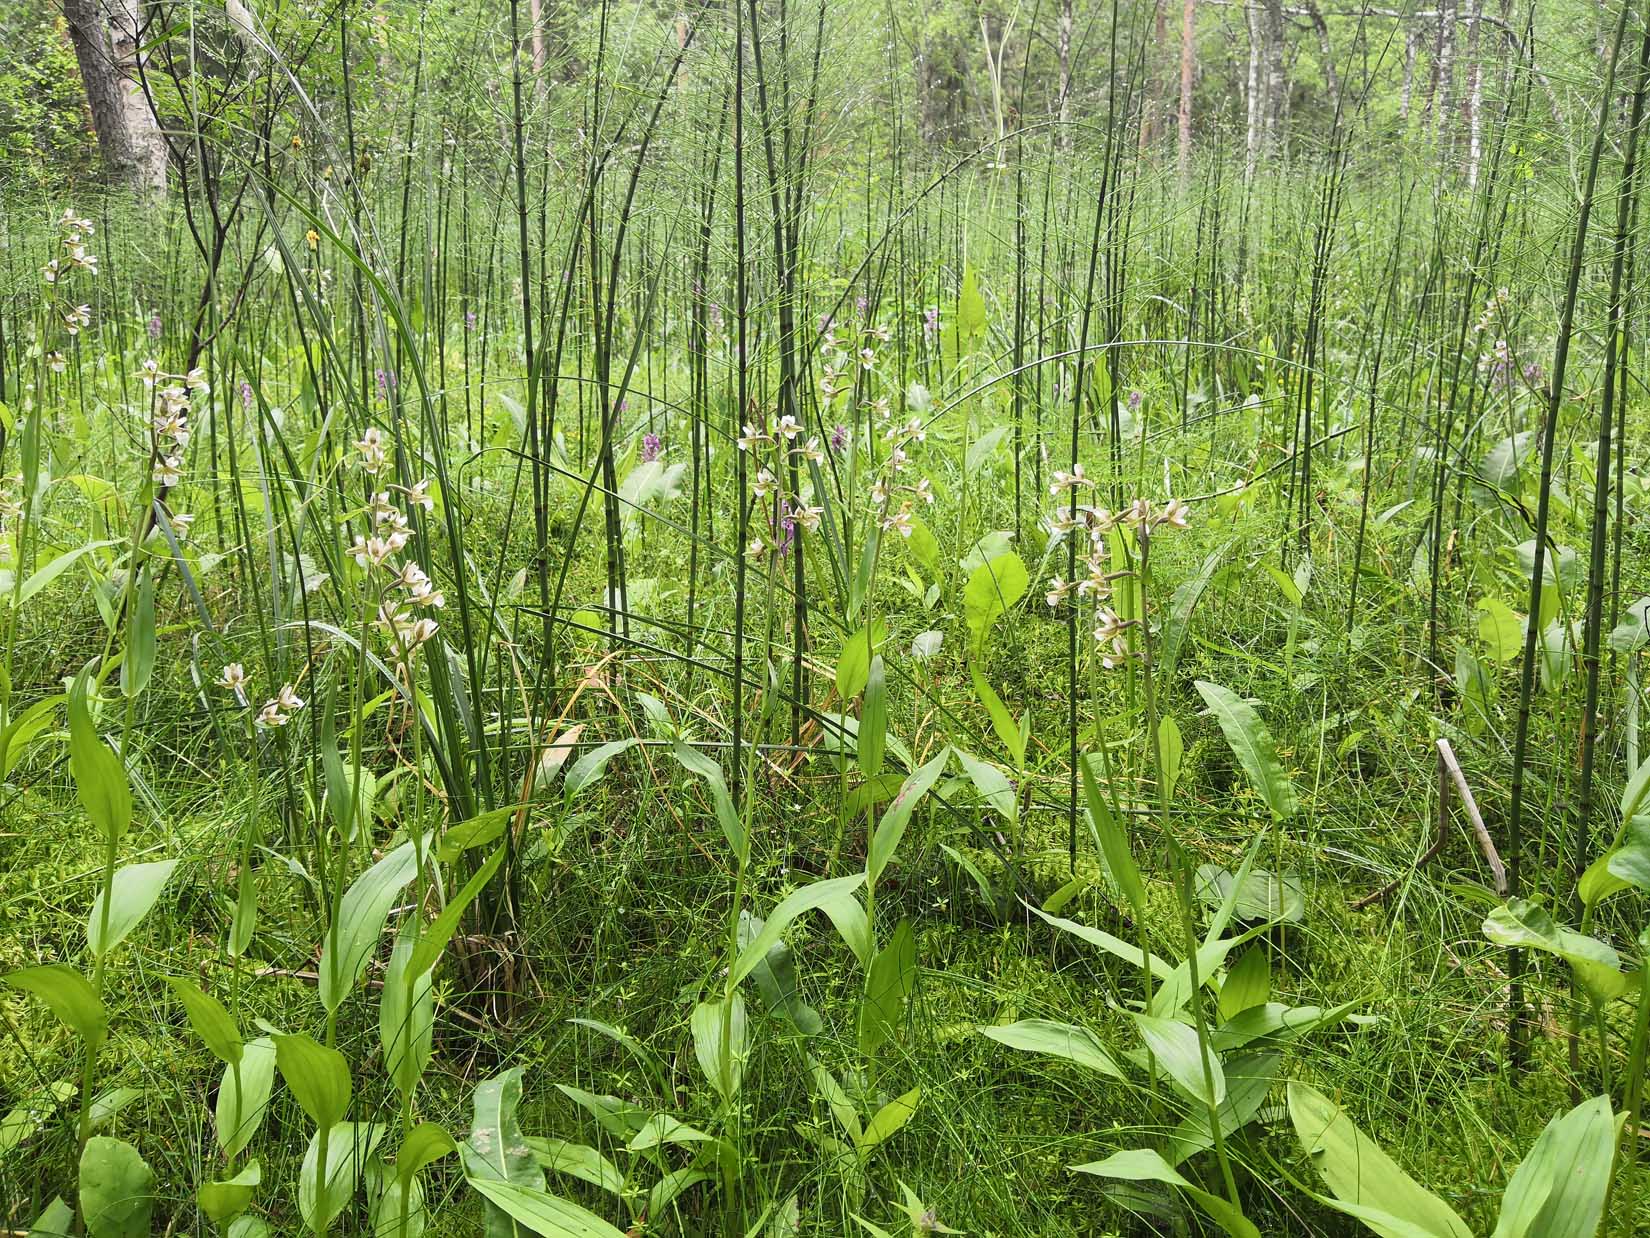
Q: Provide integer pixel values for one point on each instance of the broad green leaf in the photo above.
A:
(135, 889)
(1361, 1176)
(34, 583)
(68, 995)
(1170, 749)
(923, 546)
(1181, 605)
(1252, 743)
(1145, 1165)
(1627, 865)
(1247, 984)
(1062, 1040)
(1111, 945)
(891, 827)
(406, 1017)
(578, 1160)
(496, 1152)
(892, 976)
(57, 1221)
(324, 1193)
(993, 786)
(425, 1144)
(1286, 585)
(889, 1119)
(776, 980)
(1560, 1187)
(1249, 1080)
(395, 1204)
(232, 1196)
(1176, 1048)
(670, 1188)
(1176, 989)
(982, 449)
(1260, 896)
(317, 1077)
(361, 915)
(992, 589)
(853, 667)
(662, 1129)
(139, 663)
(478, 831)
(107, 1104)
(117, 1189)
(1114, 843)
(535, 1211)
(719, 1040)
(1276, 1020)
(99, 777)
(212, 1023)
(592, 765)
(847, 915)
(344, 784)
(802, 899)
(1520, 922)
(248, 1226)
(25, 728)
(1501, 629)
(619, 1118)
(240, 1108)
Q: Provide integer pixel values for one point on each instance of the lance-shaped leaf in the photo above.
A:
(69, 996)
(99, 776)
(1062, 1040)
(1145, 1165)
(1366, 1182)
(804, 898)
(135, 889)
(727, 816)
(1561, 1186)
(361, 915)
(323, 1193)
(532, 1211)
(212, 1023)
(317, 1077)
(1114, 842)
(243, 1096)
(891, 828)
(1252, 744)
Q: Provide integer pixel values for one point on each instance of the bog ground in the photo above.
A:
(778, 619)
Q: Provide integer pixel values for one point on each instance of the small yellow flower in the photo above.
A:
(297, 142)
(313, 237)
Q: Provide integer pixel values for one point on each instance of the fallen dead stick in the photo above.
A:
(1449, 774)
(1486, 844)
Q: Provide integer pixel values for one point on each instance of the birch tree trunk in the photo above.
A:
(1475, 91)
(1276, 88)
(1251, 94)
(1188, 67)
(107, 40)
